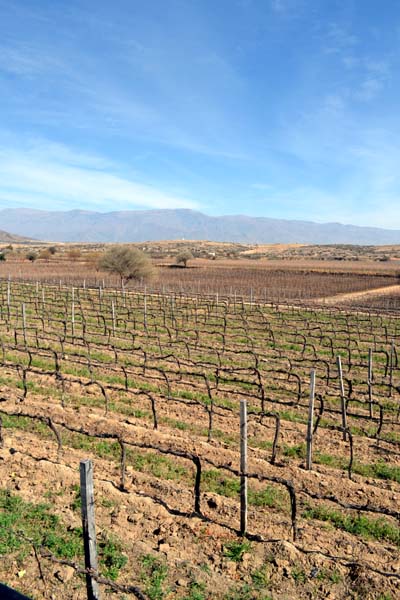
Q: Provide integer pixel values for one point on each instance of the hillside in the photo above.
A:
(148, 225)
(10, 238)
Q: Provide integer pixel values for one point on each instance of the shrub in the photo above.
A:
(128, 263)
(183, 257)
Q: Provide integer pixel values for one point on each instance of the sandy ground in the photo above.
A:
(392, 290)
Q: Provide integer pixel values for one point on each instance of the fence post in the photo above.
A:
(370, 375)
(24, 321)
(391, 368)
(145, 308)
(243, 467)
(89, 529)
(342, 397)
(73, 312)
(8, 296)
(113, 316)
(310, 421)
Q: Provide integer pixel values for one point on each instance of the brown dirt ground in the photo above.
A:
(192, 547)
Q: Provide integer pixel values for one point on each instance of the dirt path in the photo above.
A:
(392, 290)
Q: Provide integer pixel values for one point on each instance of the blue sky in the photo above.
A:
(279, 108)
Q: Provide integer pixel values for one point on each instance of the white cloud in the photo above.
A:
(27, 60)
(369, 89)
(338, 39)
(54, 176)
(284, 7)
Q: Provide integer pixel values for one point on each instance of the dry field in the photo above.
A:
(262, 280)
(148, 385)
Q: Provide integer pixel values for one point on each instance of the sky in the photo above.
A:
(277, 108)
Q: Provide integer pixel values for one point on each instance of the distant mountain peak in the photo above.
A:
(9, 238)
(172, 224)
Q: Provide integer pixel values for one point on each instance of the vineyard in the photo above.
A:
(149, 385)
(261, 281)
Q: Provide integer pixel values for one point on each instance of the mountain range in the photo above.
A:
(170, 224)
(9, 238)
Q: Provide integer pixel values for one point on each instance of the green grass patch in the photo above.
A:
(234, 550)
(214, 481)
(19, 519)
(296, 451)
(380, 470)
(25, 523)
(269, 496)
(158, 465)
(153, 575)
(26, 424)
(366, 527)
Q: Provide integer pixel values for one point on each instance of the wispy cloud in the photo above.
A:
(279, 106)
(313, 203)
(136, 80)
(373, 75)
(284, 7)
(339, 39)
(55, 176)
(27, 60)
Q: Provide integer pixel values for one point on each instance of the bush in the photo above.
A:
(32, 255)
(183, 257)
(74, 253)
(45, 254)
(128, 263)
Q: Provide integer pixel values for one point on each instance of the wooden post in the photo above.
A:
(370, 382)
(123, 293)
(89, 530)
(73, 313)
(8, 296)
(391, 368)
(24, 321)
(113, 316)
(243, 467)
(145, 309)
(342, 397)
(310, 424)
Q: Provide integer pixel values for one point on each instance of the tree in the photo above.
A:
(183, 257)
(32, 256)
(128, 263)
